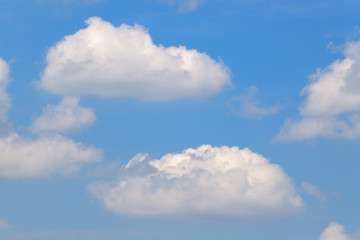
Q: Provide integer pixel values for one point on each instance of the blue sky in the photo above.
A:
(179, 119)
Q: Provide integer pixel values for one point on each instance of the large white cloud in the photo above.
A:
(66, 116)
(332, 104)
(123, 61)
(22, 157)
(206, 180)
(336, 231)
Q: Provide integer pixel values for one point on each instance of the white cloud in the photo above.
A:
(4, 97)
(336, 231)
(332, 104)
(313, 190)
(188, 5)
(52, 154)
(66, 116)
(109, 61)
(327, 127)
(206, 180)
(4, 223)
(22, 157)
(248, 106)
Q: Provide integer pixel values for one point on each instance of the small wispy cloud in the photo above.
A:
(83, 1)
(66, 116)
(313, 190)
(4, 223)
(187, 5)
(5, 102)
(4, 96)
(248, 106)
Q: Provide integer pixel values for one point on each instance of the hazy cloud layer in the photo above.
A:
(66, 116)
(206, 180)
(54, 154)
(332, 101)
(336, 231)
(248, 106)
(109, 61)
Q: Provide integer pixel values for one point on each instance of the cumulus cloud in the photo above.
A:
(188, 5)
(22, 157)
(336, 231)
(4, 223)
(248, 106)
(109, 61)
(66, 116)
(206, 180)
(332, 103)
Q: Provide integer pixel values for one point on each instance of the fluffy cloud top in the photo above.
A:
(4, 98)
(336, 231)
(248, 106)
(31, 158)
(332, 104)
(206, 180)
(109, 61)
(66, 116)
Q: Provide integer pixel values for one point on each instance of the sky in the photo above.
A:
(179, 119)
